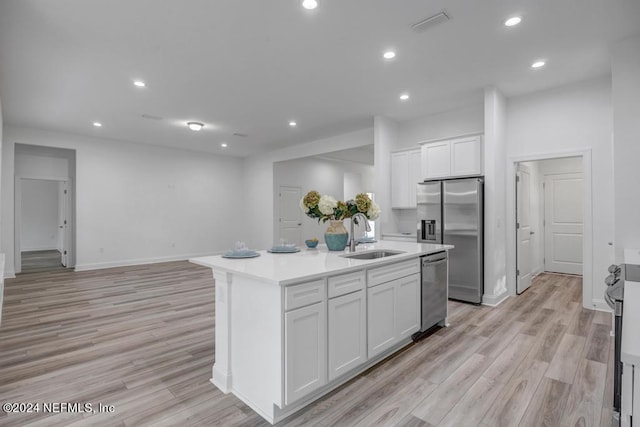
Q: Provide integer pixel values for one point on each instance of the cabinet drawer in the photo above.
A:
(345, 284)
(304, 294)
(389, 272)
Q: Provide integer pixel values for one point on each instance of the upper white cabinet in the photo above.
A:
(405, 174)
(454, 157)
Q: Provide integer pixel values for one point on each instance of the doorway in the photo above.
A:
(290, 214)
(550, 217)
(42, 224)
(44, 213)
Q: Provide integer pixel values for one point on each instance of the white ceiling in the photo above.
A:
(251, 66)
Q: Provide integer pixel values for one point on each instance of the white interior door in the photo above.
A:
(524, 252)
(563, 220)
(290, 214)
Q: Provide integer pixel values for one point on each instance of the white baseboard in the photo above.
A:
(140, 261)
(600, 305)
(494, 300)
(48, 248)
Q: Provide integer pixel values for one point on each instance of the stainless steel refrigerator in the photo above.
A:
(451, 212)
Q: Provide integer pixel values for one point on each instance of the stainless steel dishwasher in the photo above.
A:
(433, 291)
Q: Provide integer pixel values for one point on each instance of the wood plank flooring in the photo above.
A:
(142, 339)
(41, 261)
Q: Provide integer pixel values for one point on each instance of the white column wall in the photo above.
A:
(626, 129)
(495, 287)
(385, 133)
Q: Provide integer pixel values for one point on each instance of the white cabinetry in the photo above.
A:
(305, 342)
(393, 305)
(405, 174)
(450, 158)
(347, 316)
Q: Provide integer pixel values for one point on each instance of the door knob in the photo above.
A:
(531, 233)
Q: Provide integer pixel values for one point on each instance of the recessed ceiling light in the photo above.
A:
(514, 20)
(404, 97)
(139, 83)
(195, 126)
(224, 145)
(309, 4)
(389, 54)
(293, 124)
(538, 64)
(97, 124)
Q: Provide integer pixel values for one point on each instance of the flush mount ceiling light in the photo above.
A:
(224, 145)
(293, 124)
(389, 54)
(195, 126)
(513, 21)
(404, 97)
(97, 124)
(139, 83)
(309, 4)
(538, 64)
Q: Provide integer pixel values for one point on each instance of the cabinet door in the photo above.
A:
(466, 156)
(408, 305)
(347, 333)
(381, 310)
(305, 351)
(415, 175)
(436, 160)
(399, 179)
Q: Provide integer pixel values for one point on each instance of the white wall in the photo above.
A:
(137, 203)
(626, 126)
(495, 238)
(564, 121)
(324, 176)
(39, 215)
(385, 136)
(259, 225)
(461, 121)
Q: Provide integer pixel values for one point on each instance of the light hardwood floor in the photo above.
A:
(41, 261)
(141, 339)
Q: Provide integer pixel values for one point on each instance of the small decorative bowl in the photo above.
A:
(311, 243)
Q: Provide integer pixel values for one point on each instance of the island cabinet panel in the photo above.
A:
(408, 308)
(346, 283)
(305, 350)
(347, 333)
(381, 310)
(389, 272)
(304, 294)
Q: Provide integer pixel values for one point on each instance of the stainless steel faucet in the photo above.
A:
(352, 240)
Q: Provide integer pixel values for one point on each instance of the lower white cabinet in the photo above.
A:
(408, 305)
(347, 336)
(381, 309)
(393, 311)
(305, 350)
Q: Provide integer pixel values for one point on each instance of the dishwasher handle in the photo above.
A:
(434, 258)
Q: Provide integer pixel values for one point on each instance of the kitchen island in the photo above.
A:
(292, 327)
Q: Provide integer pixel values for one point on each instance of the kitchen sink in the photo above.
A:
(378, 253)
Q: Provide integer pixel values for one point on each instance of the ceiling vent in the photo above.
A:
(429, 22)
(240, 135)
(151, 117)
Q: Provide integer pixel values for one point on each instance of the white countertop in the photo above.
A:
(285, 269)
(631, 323)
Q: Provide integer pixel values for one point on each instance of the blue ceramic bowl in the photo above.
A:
(311, 243)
